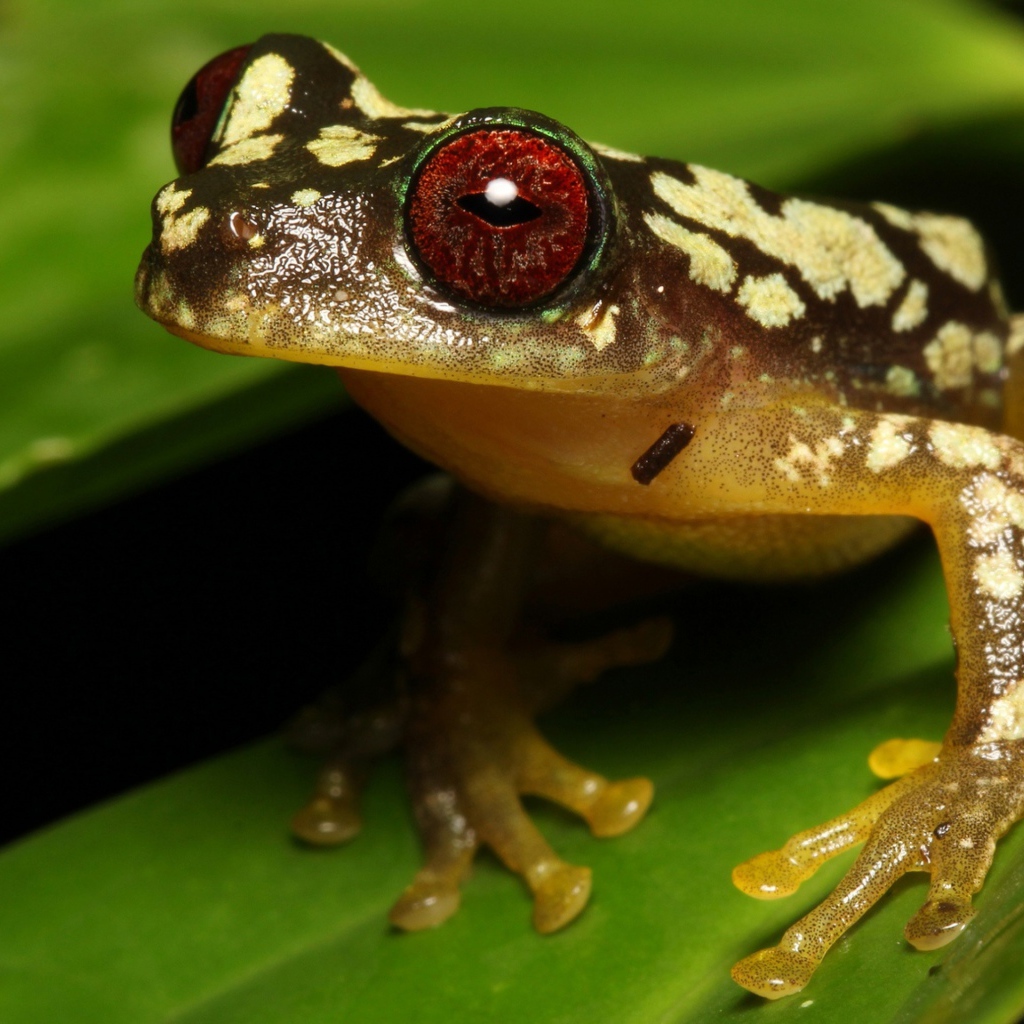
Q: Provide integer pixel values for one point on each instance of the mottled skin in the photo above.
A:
(843, 371)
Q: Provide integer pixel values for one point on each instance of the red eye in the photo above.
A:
(500, 216)
(198, 108)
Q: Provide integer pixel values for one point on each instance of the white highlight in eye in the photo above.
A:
(501, 191)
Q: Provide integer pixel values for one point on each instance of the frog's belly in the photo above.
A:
(770, 547)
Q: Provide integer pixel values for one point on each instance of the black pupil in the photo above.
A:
(519, 211)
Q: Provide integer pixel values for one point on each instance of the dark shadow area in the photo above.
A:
(184, 621)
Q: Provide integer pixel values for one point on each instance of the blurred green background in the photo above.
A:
(142, 635)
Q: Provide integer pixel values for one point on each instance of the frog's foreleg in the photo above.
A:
(946, 815)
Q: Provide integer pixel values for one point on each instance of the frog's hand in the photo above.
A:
(945, 816)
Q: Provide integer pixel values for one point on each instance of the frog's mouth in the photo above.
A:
(441, 346)
(231, 324)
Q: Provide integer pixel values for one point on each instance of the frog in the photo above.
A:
(636, 356)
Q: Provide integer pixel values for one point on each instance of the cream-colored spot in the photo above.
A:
(373, 105)
(994, 508)
(988, 352)
(889, 445)
(831, 249)
(184, 316)
(964, 447)
(1015, 341)
(249, 151)
(257, 241)
(710, 264)
(816, 344)
(598, 324)
(949, 356)
(305, 197)
(1005, 716)
(998, 576)
(896, 216)
(178, 230)
(427, 126)
(997, 298)
(817, 461)
(951, 243)
(616, 154)
(902, 382)
(264, 92)
(341, 144)
(913, 310)
(770, 301)
(170, 199)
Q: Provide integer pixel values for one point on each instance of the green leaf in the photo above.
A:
(777, 91)
(186, 902)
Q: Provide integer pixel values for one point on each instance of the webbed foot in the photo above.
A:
(469, 688)
(473, 751)
(943, 817)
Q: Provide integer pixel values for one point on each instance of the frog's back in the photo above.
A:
(865, 305)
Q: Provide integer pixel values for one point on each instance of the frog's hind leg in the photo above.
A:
(472, 682)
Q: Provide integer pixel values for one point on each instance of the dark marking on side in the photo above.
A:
(662, 452)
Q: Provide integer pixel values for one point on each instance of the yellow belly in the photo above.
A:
(763, 548)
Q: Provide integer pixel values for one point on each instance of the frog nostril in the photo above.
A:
(240, 229)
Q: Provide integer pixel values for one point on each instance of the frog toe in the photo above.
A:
(774, 973)
(428, 902)
(332, 816)
(560, 892)
(943, 817)
(619, 807)
(938, 922)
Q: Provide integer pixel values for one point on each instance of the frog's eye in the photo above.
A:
(500, 216)
(199, 106)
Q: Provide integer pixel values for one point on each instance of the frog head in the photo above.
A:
(316, 221)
